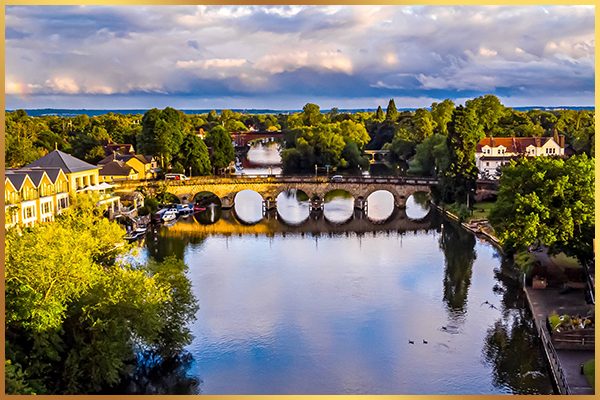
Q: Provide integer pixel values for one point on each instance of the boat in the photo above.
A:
(184, 209)
(141, 229)
(134, 235)
(198, 208)
(169, 215)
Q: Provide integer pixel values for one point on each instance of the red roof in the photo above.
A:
(514, 144)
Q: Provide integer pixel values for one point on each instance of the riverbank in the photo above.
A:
(565, 365)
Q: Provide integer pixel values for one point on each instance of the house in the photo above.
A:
(81, 176)
(493, 153)
(117, 171)
(146, 167)
(34, 195)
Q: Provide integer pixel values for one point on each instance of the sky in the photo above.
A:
(282, 57)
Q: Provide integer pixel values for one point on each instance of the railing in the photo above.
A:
(559, 375)
(291, 179)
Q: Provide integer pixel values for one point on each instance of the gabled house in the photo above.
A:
(493, 153)
(117, 171)
(145, 166)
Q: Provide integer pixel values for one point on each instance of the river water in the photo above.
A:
(392, 302)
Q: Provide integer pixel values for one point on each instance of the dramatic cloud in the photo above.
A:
(285, 56)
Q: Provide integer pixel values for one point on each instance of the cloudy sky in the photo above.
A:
(282, 57)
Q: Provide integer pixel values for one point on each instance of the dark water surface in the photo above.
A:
(309, 306)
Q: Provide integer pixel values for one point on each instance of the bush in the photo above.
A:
(525, 261)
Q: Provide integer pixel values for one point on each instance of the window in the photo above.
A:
(29, 212)
(487, 164)
(46, 208)
(63, 203)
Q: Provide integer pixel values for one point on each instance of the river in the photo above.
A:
(393, 302)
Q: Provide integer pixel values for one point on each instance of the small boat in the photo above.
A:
(183, 209)
(169, 215)
(133, 235)
(141, 229)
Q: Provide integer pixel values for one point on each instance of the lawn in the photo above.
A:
(588, 370)
(482, 210)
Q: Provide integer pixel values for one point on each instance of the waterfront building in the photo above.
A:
(117, 171)
(33, 195)
(40, 190)
(145, 167)
(492, 153)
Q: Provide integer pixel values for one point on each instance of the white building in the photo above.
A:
(493, 153)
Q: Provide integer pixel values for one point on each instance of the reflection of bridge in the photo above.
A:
(241, 139)
(270, 187)
(271, 224)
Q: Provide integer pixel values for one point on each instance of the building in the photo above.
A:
(493, 153)
(33, 195)
(145, 167)
(81, 176)
(117, 171)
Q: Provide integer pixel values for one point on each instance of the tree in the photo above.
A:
(402, 145)
(311, 114)
(547, 201)
(77, 315)
(432, 156)
(488, 110)
(161, 134)
(423, 123)
(194, 153)
(464, 132)
(222, 151)
(442, 114)
(379, 115)
(391, 112)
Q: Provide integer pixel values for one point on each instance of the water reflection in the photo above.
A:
(339, 206)
(264, 154)
(458, 246)
(301, 313)
(380, 205)
(248, 206)
(293, 206)
(417, 205)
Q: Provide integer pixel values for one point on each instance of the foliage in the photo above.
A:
(442, 114)
(525, 261)
(194, 154)
(589, 370)
(547, 201)
(464, 132)
(431, 156)
(222, 151)
(391, 112)
(162, 134)
(76, 314)
(423, 123)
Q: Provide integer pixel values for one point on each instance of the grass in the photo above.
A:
(482, 210)
(588, 371)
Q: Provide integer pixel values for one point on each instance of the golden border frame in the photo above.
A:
(5, 3)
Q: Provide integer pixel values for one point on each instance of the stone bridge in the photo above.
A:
(270, 187)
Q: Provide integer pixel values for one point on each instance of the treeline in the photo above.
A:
(425, 141)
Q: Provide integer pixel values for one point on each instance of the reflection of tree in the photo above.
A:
(165, 243)
(510, 342)
(459, 251)
(157, 376)
(508, 349)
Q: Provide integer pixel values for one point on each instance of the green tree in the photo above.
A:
(464, 132)
(442, 114)
(161, 134)
(194, 153)
(222, 151)
(77, 315)
(391, 112)
(423, 123)
(379, 115)
(432, 156)
(547, 201)
(311, 114)
(488, 109)
(402, 145)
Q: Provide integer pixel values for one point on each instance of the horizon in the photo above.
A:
(274, 57)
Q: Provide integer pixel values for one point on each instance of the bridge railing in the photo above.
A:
(396, 180)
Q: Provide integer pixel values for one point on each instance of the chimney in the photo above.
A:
(561, 141)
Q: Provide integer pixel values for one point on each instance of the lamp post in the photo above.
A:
(315, 170)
